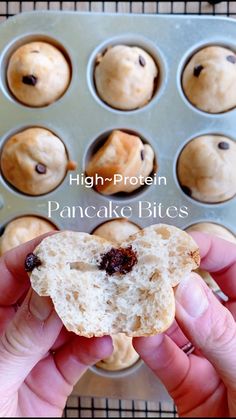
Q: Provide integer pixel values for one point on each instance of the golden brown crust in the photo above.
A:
(24, 151)
(46, 69)
(121, 154)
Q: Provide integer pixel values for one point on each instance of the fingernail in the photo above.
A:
(192, 297)
(40, 307)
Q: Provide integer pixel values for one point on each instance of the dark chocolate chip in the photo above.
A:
(41, 169)
(119, 260)
(142, 61)
(32, 261)
(186, 190)
(231, 59)
(197, 70)
(30, 80)
(142, 154)
(223, 145)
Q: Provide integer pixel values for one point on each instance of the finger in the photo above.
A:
(62, 339)
(73, 359)
(208, 324)
(66, 367)
(165, 358)
(182, 376)
(6, 314)
(177, 335)
(218, 257)
(27, 339)
(14, 281)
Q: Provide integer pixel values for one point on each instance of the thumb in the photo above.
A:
(208, 325)
(27, 339)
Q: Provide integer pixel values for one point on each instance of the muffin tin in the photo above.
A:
(80, 119)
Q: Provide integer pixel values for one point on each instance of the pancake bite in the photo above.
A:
(23, 229)
(123, 356)
(34, 161)
(209, 79)
(206, 168)
(122, 155)
(116, 230)
(38, 74)
(125, 77)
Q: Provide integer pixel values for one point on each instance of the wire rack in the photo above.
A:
(224, 8)
(102, 407)
(93, 407)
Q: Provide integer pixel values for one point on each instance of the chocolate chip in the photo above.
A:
(119, 260)
(186, 190)
(41, 169)
(142, 154)
(223, 145)
(231, 58)
(197, 70)
(30, 80)
(32, 261)
(142, 61)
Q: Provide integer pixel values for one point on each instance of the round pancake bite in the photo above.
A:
(38, 74)
(116, 230)
(209, 79)
(122, 154)
(123, 355)
(102, 288)
(125, 77)
(23, 229)
(206, 168)
(34, 161)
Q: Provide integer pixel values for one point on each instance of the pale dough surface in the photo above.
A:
(209, 79)
(125, 76)
(24, 151)
(49, 68)
(123, 356)
(208, 171)
(22, 230)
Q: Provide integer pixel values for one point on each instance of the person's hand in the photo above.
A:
(39, 360)
(202, 384)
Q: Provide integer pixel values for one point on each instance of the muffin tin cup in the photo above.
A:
(117, 373)
(168, 122)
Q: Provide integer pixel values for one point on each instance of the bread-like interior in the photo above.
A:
(92, 302)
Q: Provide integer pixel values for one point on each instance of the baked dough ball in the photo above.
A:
(125, 77)
(22, 230)
(123, 154)
(206, 168)
(123, 356)
(209, 79)
(102, 288)
(215, 230)
(34, 161)
(38, 74)
(116, 230)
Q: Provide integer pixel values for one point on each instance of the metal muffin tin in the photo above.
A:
(81, 119)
